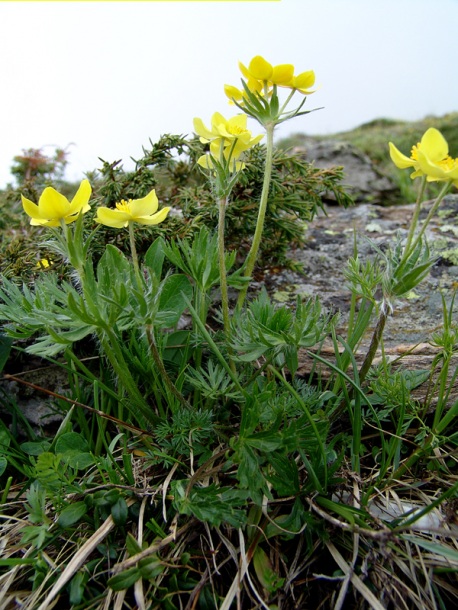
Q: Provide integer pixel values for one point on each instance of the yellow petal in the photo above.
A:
(434, 145)
(201, 130)
(155, 219)
(35, 222)
(112, 218)
(233, 93)
(282, 74)
(244, 70)
(218, 124)
(30, 208)
(260, 69)
(53, 205)
(399, 159)
(205, 161)
(81, 198)
(304, 80)
(442, 172)
(254, 85)
(144, 206)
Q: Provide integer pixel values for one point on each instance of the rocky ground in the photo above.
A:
(330, 243)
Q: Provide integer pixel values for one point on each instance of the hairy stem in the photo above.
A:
(376, 337)
(133, 251)
(253, 253)
(222, 265)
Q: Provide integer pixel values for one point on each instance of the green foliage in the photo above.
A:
(276, 332)
(187, 431)
(192, 447)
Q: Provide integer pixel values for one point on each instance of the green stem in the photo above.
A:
(415, 217)
(288, 99)
(376, 337)
(114, 354)
(308, 415)
(432, 211)
(133, 251)
(253, 253)
(161, 368)
(222, 266)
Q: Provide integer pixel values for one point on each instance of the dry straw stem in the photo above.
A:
(354, 578)
(80, 557)
(154, 548)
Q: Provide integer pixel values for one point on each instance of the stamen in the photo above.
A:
(123, 205)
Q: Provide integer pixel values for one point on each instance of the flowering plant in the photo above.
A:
(199, 398)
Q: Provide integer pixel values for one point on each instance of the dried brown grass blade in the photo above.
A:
(80, 557)
(354, 578)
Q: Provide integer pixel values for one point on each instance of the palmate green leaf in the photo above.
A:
(77, 307)
(285, 476)
(45, 347)
(68, 337)
(249, 472)
(211, 504)
(413, 278)
(266, 441)
(269, 330)
(299, 434)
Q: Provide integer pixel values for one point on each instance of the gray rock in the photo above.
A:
(361, 177)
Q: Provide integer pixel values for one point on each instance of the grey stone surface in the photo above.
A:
(361, 177)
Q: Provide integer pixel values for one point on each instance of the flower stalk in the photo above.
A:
(253, 253)
(222, 265)
(133, 252)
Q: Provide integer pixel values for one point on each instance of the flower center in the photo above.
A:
(414, 152)
(236, 130)
(448, 163)
(124, 206)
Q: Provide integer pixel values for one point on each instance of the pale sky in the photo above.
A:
(104, 77)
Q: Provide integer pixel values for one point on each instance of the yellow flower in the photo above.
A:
(261, 70)
(233, 93)
(228, 137)
(53, 207)
(431, 150)
(302, 82)
(143, 211)
(44, 263)
(443, 170)
(260, 74)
